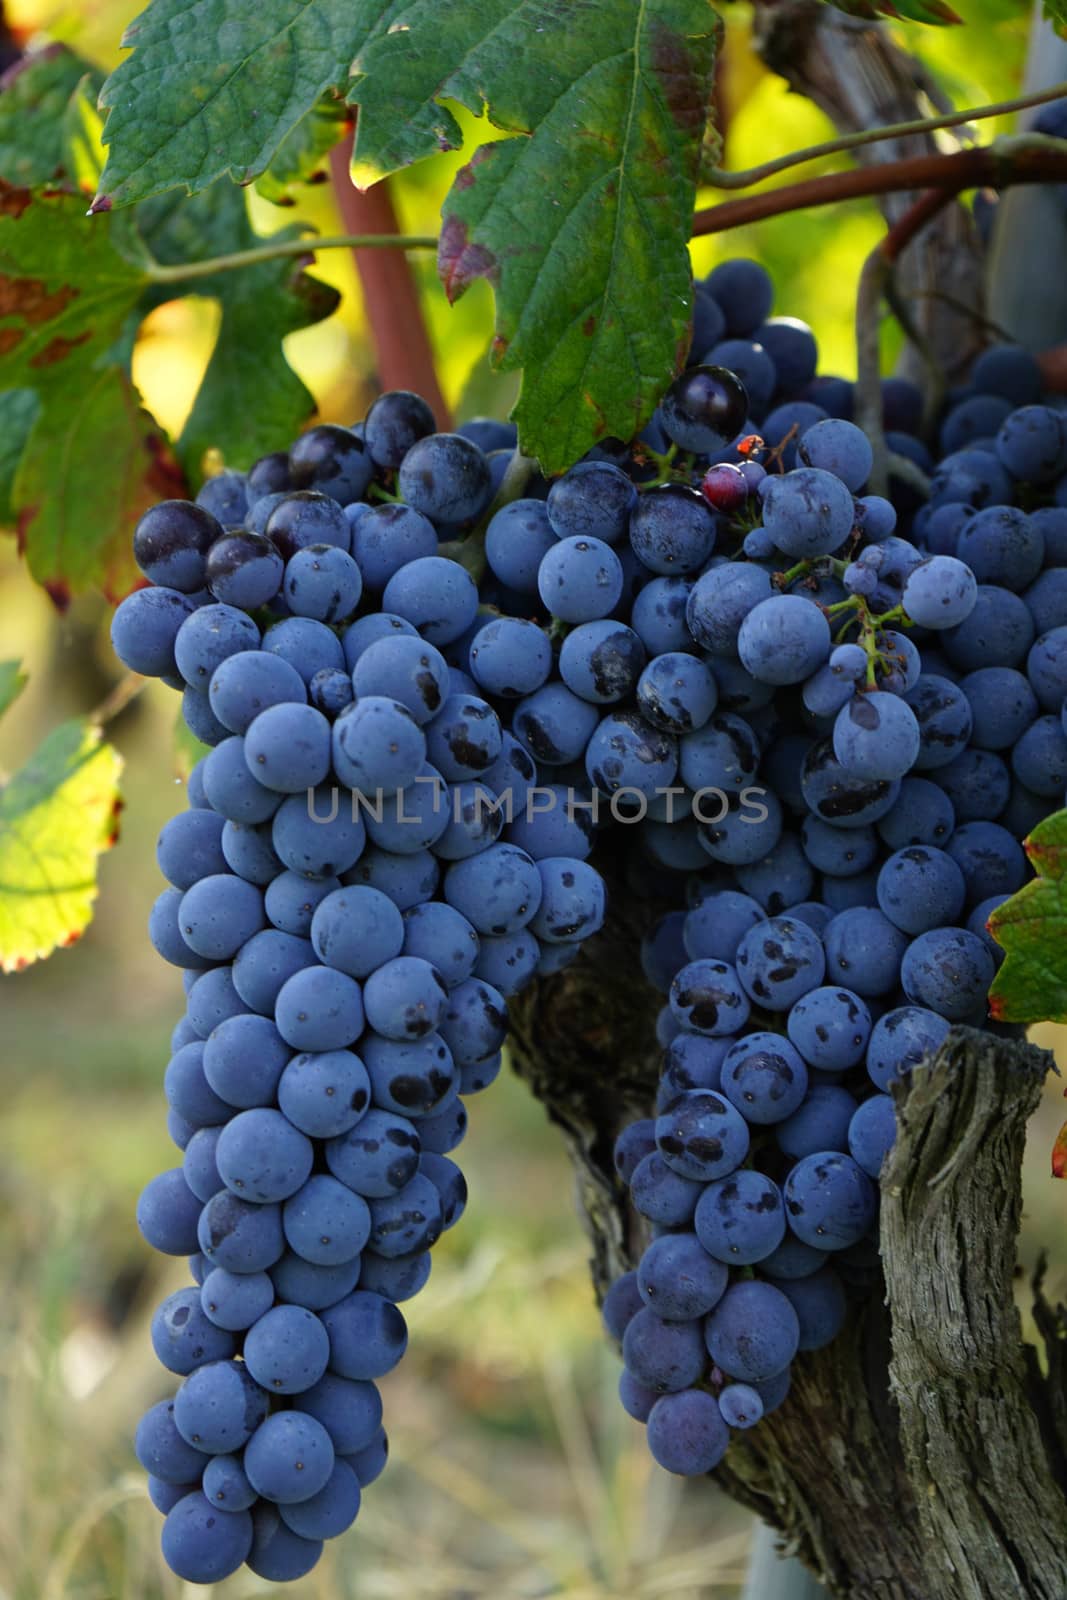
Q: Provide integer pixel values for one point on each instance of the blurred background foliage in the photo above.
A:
(514, 1472)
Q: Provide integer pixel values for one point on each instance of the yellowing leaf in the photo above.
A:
(56, 815)
(12, 683)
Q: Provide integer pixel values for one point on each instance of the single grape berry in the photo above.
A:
(704, 409)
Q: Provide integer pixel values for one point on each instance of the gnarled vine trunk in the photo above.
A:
(923, 1455)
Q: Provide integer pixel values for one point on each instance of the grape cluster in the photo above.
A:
(350, 919)
(817, 720)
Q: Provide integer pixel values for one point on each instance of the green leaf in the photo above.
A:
(12, 682)
(92, 460)
(1031, 985)
(94, 463)
(18, 412)
(250, 397)
(35, 144)
(300, 156)
(1056, 12)
(56, 816)
(214, 87)
(583, 226)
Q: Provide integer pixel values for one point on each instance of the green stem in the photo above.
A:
(183, 271)
(718, 179)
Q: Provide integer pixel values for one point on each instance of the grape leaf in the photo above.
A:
(250, 397)
(34, 137)
(12, 683)
(301, 155)
(582, 227)
(1056, 12)
(1031, 985)
(66, 292)
(18, 411)
(56, 815)
(215, 86)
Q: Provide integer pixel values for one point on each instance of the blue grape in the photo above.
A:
(287, 748)
(329, 1512)
(232, 790)
(183, 1338)
(322, 582)
(407, 880)
(145, 628)
(404, 998)
(219, 914)
(367, 1336)
(580, 580)
(357, 930)
(724, 754)
(291, 900)
(244, 569)
(783, 640)
(304, 1283)
(677, 693)
(219, 1406)
(324, 1093)
(1039, 760)
(240, 1236)
(864, 951)
(665, 1356)
(948, 970)
(740, 1405)
(162, 1450)
(407, 1221)
(672, 531)
(262, 1157)
(334, 461)
(921, 888)
(168, 1213)
(510, 657)
(707, 998)
(602, 661)
(740, 1219)
(465, 738)
(699, 1137)
(778, 960)
(190, 848)
(991, 859)
(877, 737)
(764, 1077)
(998, 632)
(662, 1194)
(170, 543)
(593, 500)
(404, 668)
(319, 1008)
(438, 596)
(287, 1350)
(289, 1457)
(202, 1546)
(841, 852)
(830, 1202)
(820, 1304)
(941, 592)
(678, 1279)
(808, 512)
(234, 1300)
(572, 901)
(394, 422)
(1032, 444)
(386, 538)
(319, 834)
(278, 1554)
(446, 477)
(923, 814)
(499, 890)
(517, 539)
(199, 1165)
(837, 796)
(199, 717)
(821, 1122)
(658, 616)
(753, 1333)
(687, 1433)
(872, 1132)
(188, 1091)
(377, 746)
(226, 1484)
(267, 962)
(621, 1304)
(830, 1027)
(1003, 705)
(207, 638)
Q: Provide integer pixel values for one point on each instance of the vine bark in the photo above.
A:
(922, 1455)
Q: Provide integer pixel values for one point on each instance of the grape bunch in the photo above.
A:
(349, 922)
(815, 721)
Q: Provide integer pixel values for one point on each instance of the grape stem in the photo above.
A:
(717, 178)
(184, 271)
(117, 699)
(1022, 158)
